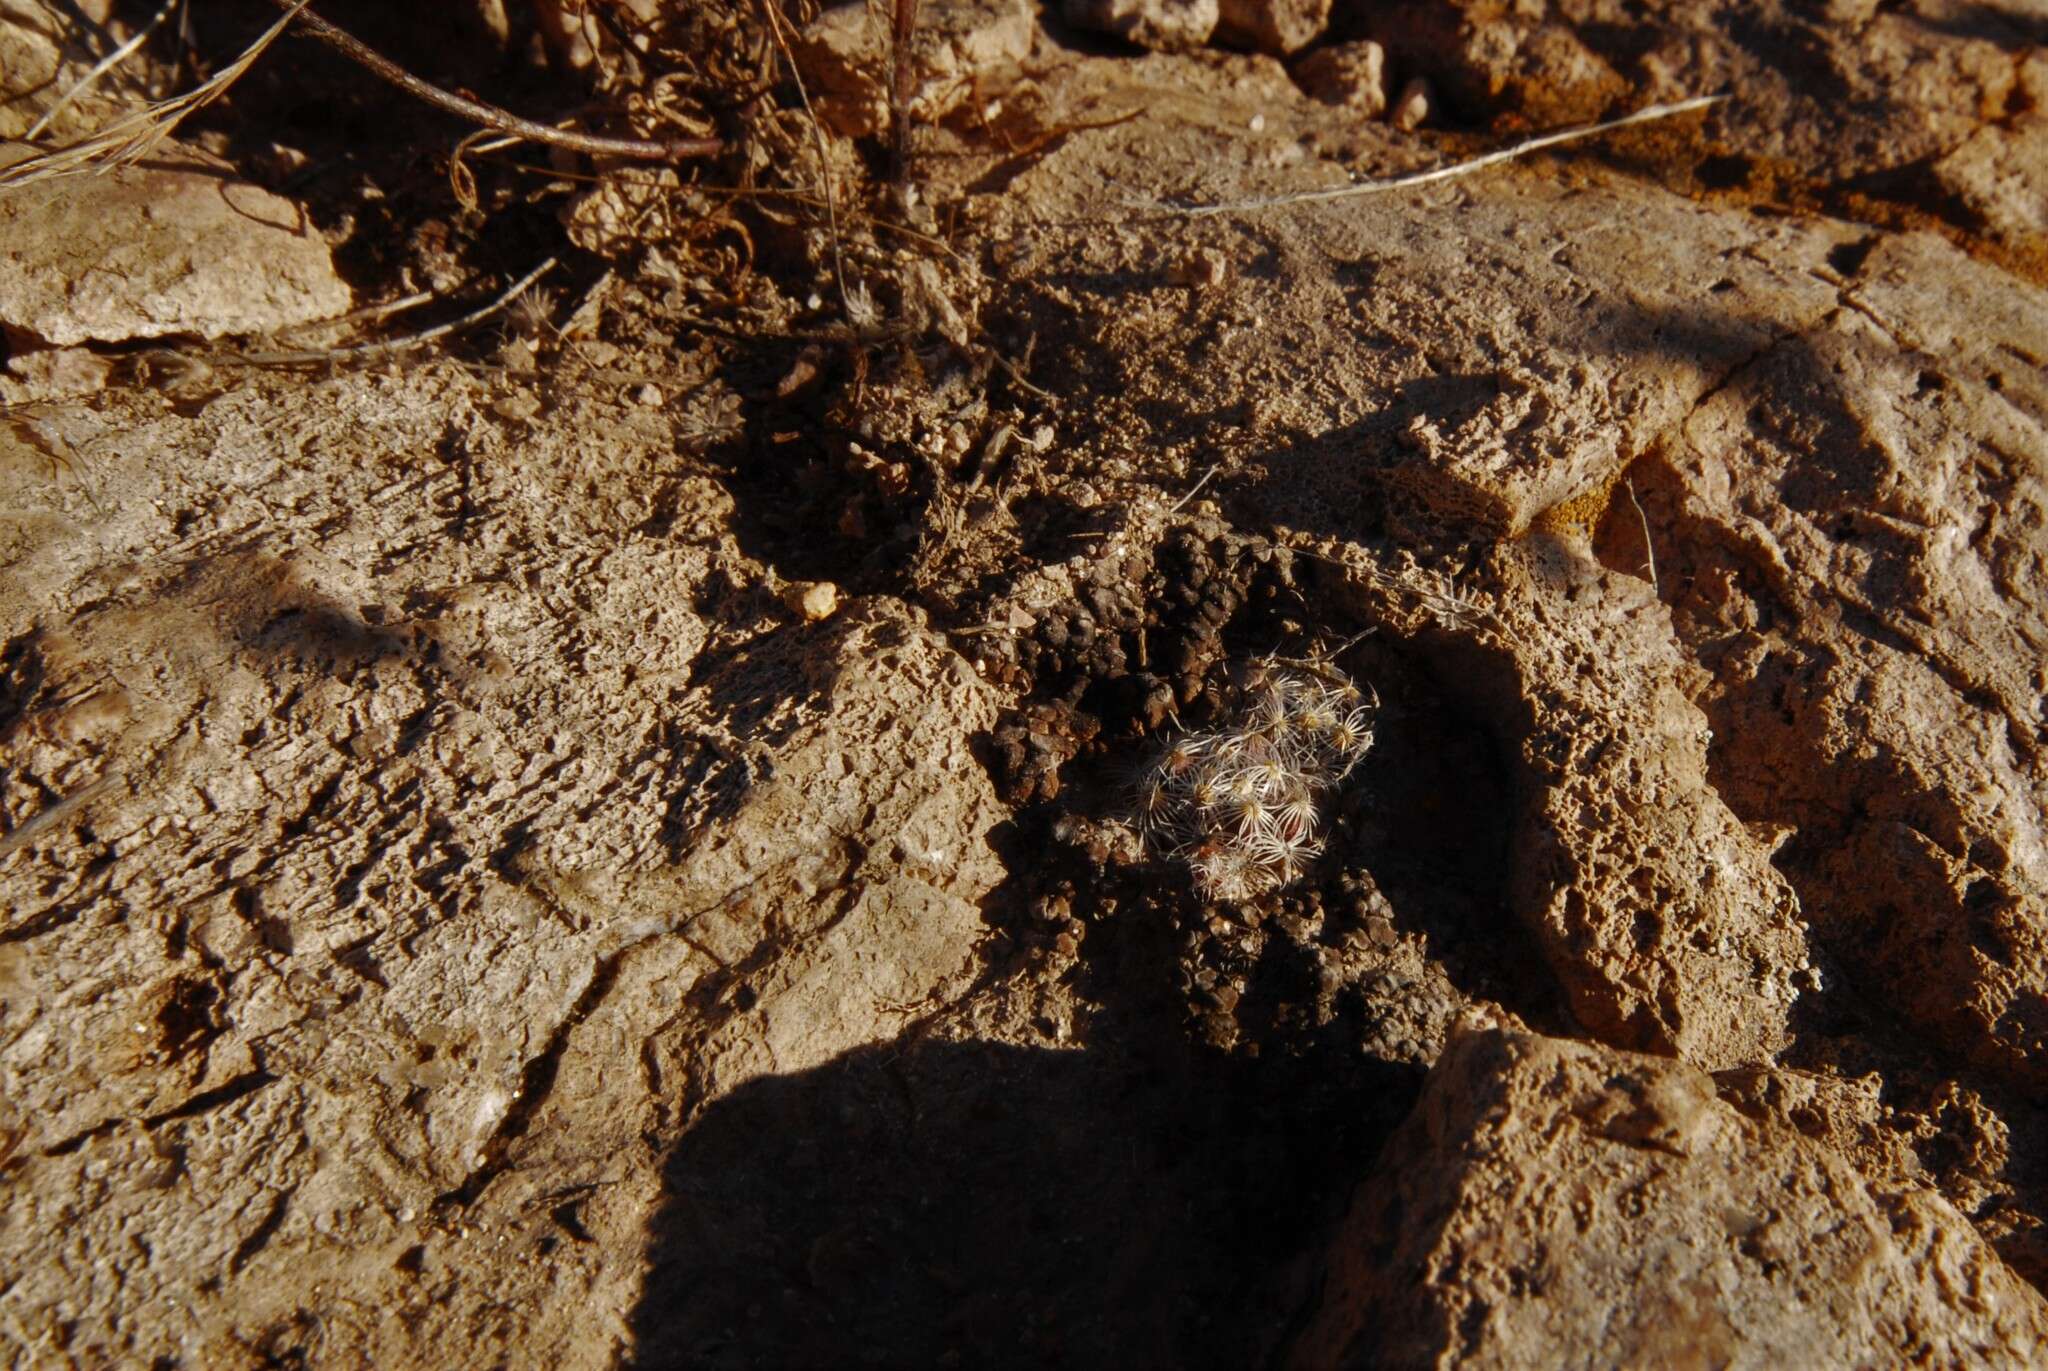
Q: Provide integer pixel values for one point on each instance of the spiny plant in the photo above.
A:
(1242, 803)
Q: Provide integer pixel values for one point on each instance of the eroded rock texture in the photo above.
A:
(1856, 548)
(174, 246)
(380, 890)
(1559, 1204)
(613, 843)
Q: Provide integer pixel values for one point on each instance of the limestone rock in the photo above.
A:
(1352, 76)
(1848, 523)
(1619, 818)
(1824, 95)
(32, 59)
(454, 908)
(41, 64)
(1164, 25)
(845, 58)
(1416, 107)
(144, 251)
(467, 883)
(1279, 27)
(1550, 1203)
(2000, 174)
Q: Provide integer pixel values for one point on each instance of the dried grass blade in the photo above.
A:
(136, 135)
(100, 68)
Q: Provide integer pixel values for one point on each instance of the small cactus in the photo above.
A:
(1241, 804)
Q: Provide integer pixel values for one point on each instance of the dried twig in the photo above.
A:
(100, 68)
(1193, 491)
(135, 136)
(390, 346)
(490, 116)
(55, 814)
(901, 75)
(1423, 178)
(865, 314)
(1649, 550)
(1023, 382)
(366, 315)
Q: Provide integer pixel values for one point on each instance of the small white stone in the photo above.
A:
(815, 600)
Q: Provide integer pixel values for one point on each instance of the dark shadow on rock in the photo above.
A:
(1335, 482)
(764, 687)
(977, 1204)
(1430, 811)
(2014, 25)
(270, 608)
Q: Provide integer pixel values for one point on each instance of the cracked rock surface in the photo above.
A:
(172, 246)
(1556, 1203)
(611, 843)
(352, 902)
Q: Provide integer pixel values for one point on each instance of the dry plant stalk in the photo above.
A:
(136, 135)
(392, 346)
(100, 68)
(1649, 548)
(858, 306)
(1456, 169)
(902, 75)
(490, 116)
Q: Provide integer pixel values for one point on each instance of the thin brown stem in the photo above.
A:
(777, 21)
(901, 76)
(393, 346)
(490, 116)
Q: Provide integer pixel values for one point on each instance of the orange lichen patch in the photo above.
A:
(1578, 515)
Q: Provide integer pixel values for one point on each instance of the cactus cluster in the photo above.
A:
(1242, 803)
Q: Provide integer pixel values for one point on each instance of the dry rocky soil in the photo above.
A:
(616, 836)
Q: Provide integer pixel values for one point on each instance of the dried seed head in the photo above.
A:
(1271, 779)
(1249, 814)
(1182, 754)
(1240, 803)
(1242, 785)
(532, 311)
(1315, 716)
(1351, 739)
(1225, 875)
(1295, 819)
(1155, 806)
(1280, 858)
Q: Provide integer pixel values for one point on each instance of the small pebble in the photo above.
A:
(520, 406)
(1352, 76)
(1203, 268)
(1414, 108)
(815, 600)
